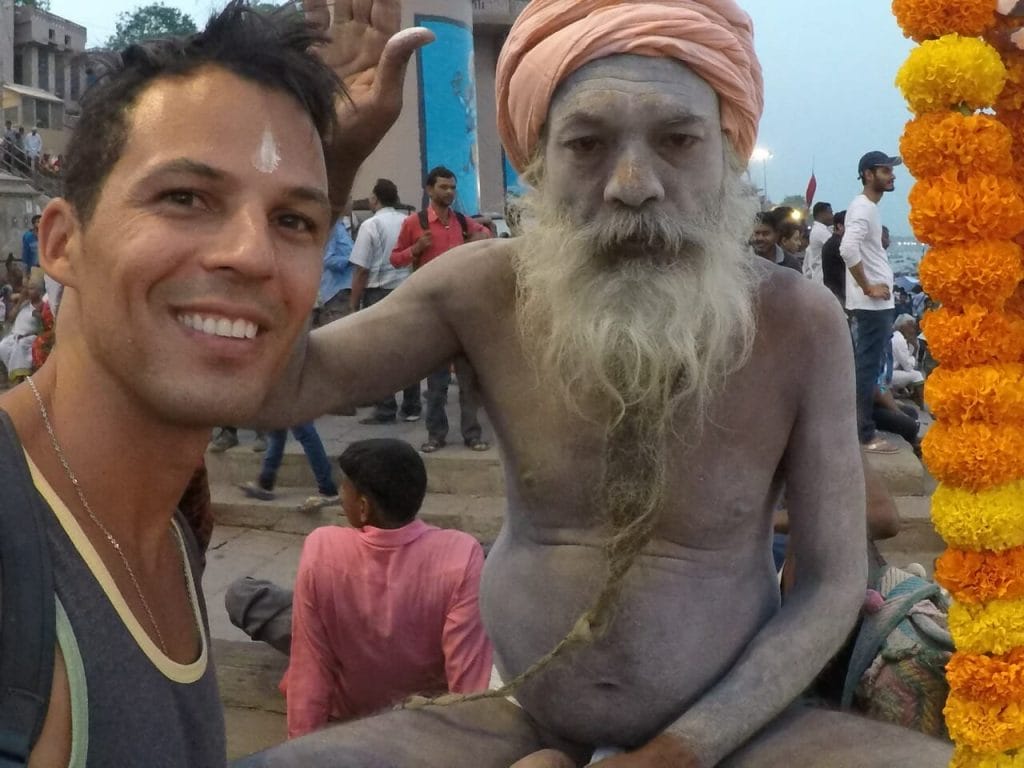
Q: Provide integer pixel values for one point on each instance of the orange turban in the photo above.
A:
(551, 39)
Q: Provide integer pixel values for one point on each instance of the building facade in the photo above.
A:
(42, 74)
(450, 116)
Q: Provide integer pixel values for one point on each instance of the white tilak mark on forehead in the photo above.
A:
(267, 158)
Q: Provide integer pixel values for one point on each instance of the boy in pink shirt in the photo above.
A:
(382, 610)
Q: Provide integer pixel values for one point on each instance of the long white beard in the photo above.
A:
(655, 334)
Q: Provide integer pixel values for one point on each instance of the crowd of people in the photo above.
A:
(22, 153)
(626, 343)
(847, 251)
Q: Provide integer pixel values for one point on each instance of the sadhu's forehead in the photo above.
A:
(660, 81)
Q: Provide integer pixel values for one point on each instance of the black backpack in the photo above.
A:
(27, 605)
(425, 224)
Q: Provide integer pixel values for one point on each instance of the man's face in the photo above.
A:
(764, 240)
(200, 264)
(442, 193)
(35, 226)
(634, 134)
(881, 179)
(826, 217)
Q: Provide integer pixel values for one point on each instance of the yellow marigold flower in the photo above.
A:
(993, 394)
(935, 142)
(974, 336)
(965, 757)
(985, 727)
(995, 627)
(923, 19)
(975, 457)
(951, 72)
(958, 207)
(986, 520)
(985, 272)
(978, 577)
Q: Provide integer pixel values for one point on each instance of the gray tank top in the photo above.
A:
(131, 704)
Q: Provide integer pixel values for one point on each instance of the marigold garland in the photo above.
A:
(935, 142)
(995, 627)
(988, 679)
(965, 757)
(922, 19)
(992, 394)
(983, 726)
(982, 272)
(951, 72)
(977, 577)
(954, 208)
(986, 520)
(975, 457)
(974, 336)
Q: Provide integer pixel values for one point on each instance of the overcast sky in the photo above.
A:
(829, 70)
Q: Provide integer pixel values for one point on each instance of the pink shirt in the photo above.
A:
(444, 237)
(379, 615)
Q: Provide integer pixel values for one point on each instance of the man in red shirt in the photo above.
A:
(383, 610)
(425, 236)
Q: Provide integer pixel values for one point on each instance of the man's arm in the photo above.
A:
(311, 664)
(476, 230)
(467, 651)
(339, 249)
(360, 277)
(857, 228)
(828, 535)
(375, 352)
(362, 253)
(403, 254)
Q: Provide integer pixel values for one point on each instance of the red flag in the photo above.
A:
(812, 187)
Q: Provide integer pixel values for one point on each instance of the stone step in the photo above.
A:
(480, 516)
(455, 469)
(254, 709)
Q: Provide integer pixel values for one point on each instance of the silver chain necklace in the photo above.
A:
(85, 504)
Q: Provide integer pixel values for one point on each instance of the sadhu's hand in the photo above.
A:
(664, 751)
(370, 55)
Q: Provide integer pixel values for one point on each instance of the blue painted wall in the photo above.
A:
(448, 124)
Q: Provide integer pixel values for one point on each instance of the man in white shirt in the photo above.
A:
(821, 231)
(375, 277)
(869, 288)
(905, 374)
(34, 147)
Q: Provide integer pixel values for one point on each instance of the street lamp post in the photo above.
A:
(762, 156)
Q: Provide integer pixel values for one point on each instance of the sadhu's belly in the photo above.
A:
(680, 626)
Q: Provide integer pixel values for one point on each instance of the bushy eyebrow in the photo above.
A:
(186, 165)
(586, 119)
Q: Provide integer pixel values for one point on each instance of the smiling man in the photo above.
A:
(189, 241)
(636, 363)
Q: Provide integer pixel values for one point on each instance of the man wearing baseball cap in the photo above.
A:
(869, 288)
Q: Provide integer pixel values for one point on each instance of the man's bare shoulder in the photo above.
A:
(473, 274)
(787, 299)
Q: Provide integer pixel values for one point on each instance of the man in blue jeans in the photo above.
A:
(869, 280)
(313, 447)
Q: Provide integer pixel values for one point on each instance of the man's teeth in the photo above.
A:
(220, 326)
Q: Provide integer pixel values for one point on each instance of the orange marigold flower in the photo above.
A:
(923, 19)
(975, 457)
(974, 336)
(984, 272)
(935, 142)
(989, 393)
(977, 577)
(955, 208)
(985, 727)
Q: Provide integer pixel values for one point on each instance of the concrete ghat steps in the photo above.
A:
(454, 469)
(480, 516)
